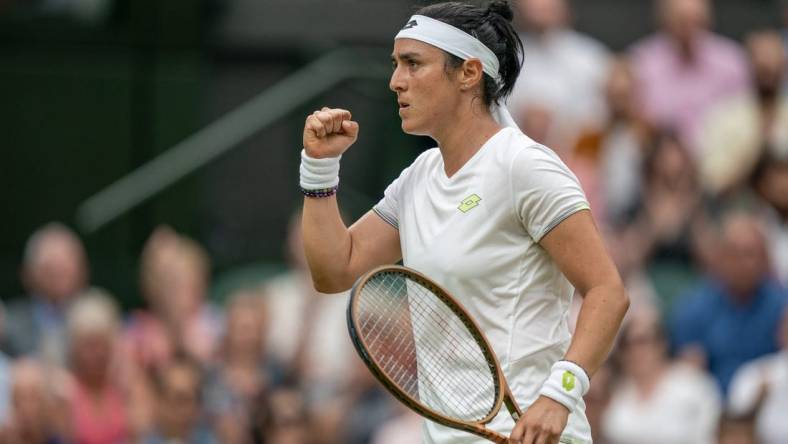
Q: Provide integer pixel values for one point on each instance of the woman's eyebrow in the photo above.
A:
(405, 56)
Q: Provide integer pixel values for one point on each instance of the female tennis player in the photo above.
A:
(491, 215)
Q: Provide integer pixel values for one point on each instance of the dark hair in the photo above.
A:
(492, 25)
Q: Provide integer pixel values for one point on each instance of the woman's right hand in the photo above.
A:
(329, 133)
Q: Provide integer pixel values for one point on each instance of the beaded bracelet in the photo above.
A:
(324, 192)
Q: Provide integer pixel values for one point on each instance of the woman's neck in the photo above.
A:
(464, 136)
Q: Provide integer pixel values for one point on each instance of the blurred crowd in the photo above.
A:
(681, 143)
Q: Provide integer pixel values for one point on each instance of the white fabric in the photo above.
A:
(777, 235)
(620, 167)
(319, 174)
(682, 409)
(564, 73)
(513, 191)
(567, 384)
(769, 373)
(453, 40)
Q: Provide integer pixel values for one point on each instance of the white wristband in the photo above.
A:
(567, 384)
(319, 174)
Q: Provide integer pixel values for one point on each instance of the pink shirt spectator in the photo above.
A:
(102, 421)
(674, 92)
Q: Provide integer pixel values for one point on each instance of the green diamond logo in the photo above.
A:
(568, 381)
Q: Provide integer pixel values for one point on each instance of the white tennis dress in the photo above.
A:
(477, 234)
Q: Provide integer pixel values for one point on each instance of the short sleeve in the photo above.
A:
(388, 207)
(544, 190)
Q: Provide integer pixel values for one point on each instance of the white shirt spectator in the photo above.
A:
(682, 409)
(765, 377)
(563, 72)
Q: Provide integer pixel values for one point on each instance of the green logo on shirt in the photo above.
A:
(469, 203)
(568, 381)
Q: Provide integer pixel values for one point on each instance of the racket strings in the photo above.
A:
(431, 343)
(425, 348)
(450, 395)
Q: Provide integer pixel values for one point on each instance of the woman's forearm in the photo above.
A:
(600, 317)
(327, 244)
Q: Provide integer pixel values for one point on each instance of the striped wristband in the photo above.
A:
(319, 174)
(567, 384)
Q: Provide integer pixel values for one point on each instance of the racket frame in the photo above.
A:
(503, 393)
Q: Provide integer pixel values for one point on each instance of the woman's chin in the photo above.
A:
(409, 128)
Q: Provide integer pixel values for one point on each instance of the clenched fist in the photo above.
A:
(329, 133)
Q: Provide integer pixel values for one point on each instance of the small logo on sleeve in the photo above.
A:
(469, 203)
(568, 381)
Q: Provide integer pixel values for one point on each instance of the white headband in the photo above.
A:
(452, 40)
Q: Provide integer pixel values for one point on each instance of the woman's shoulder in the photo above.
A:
(524, 153)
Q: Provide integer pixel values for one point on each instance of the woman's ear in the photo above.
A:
(471, 74)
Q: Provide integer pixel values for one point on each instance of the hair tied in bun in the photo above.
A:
(502, 8)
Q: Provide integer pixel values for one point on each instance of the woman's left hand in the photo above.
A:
(542, 423)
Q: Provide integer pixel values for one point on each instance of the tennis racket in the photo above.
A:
(425, 348)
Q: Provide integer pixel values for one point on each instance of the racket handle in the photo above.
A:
(498, 438)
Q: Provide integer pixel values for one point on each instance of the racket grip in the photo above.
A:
(498, 438)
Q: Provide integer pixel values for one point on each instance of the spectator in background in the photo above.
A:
(734, 131)
(54, 270)
(733, 315)
(178, 404)
(760, 390)
(659, 233)
(195, 322)
(244, 370)
(737, 430)
(770, 180)
(684, 69)
(174, 276)
(657, 401)
(282, 417)
(99, 402)
(36, 415)
(307, 331)
(147, 336)
(363, 407)
(616, 148)
(559, 91)
(598, 400)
